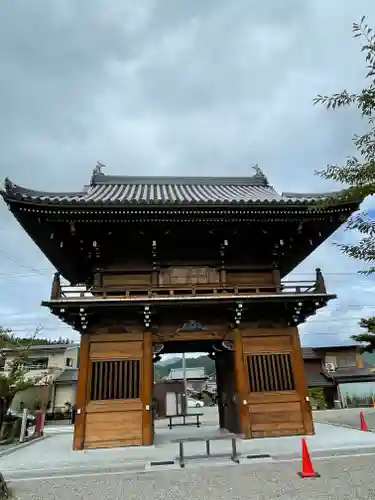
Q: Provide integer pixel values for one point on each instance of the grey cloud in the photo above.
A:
(166, 87)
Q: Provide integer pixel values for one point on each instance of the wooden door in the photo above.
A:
(228, 409)
(119, 393)
(276, 398)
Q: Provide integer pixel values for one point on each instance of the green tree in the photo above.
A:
(367, 339)
(357, 174)
(14, 379)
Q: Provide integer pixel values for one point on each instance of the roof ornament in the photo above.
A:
(259, 173)
(8, 184)
(98, 168)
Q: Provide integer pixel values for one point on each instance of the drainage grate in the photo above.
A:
(259, 456)
(163, 462)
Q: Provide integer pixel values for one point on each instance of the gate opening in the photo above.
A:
(204, 401)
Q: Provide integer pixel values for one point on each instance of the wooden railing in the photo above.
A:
(60, 291)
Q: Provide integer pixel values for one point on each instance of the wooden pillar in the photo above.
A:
(223, 276)
(320, 286)
(56, 287)
(81, 392)
(242, 383)
(276, 278)
(223, 382)
(300, 381)
(147, 390)
(219, 389)
(359, 360)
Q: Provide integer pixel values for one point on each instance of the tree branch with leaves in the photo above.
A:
(357, 174)
(14, 379)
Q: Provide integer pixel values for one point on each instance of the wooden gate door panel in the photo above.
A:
(274, 404)
(117, 394)
(109, 424)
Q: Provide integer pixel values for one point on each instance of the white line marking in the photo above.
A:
(330, 457)
(71, 467)
(48, 478)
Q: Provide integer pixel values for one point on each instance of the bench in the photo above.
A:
(207, 439)
(184, 422)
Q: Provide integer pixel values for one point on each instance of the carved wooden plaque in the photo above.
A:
(189, 275)
(192, 326)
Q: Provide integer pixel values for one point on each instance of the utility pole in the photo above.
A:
(184, 381)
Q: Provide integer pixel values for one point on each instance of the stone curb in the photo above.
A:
(20, 446)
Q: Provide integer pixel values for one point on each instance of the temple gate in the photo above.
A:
(188, 264)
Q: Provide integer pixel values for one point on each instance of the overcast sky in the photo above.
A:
(166, 87)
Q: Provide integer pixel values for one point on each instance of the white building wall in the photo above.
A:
(64, 393)
(58, 359)
(55, 359)
(30, 397)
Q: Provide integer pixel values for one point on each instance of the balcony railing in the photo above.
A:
(60, 291)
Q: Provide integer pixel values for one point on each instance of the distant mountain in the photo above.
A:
(162, 368)
(168, 361)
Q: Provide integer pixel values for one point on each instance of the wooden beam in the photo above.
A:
(82, 392)
(147, 390)
(181, 336)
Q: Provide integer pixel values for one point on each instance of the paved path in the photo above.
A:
(342, 478)
(54, 454)
(347, 417)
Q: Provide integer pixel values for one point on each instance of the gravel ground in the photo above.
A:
(342, 479)
(348, 417)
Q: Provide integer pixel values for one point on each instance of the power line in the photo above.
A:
(11, 259)
(7, 276)
(35, 271)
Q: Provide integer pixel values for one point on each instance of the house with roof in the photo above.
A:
(195, 378)
(341, 374)
(54, 369)
(211, 384)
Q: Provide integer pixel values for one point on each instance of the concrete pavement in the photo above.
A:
(54, 455)
(50, 469)
(349, 478)
(347, 417)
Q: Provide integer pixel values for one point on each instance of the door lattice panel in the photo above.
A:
(111, 380)
(270, 372)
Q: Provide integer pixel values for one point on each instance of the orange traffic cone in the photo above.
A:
(307, 468)
(363, 422)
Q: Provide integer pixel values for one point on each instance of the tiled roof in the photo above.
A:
(119, 190)
(353, 373)
(339, 347)
(43, 347)
(310, 353)
(191, 373)
(68, 376)
(318, 380)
